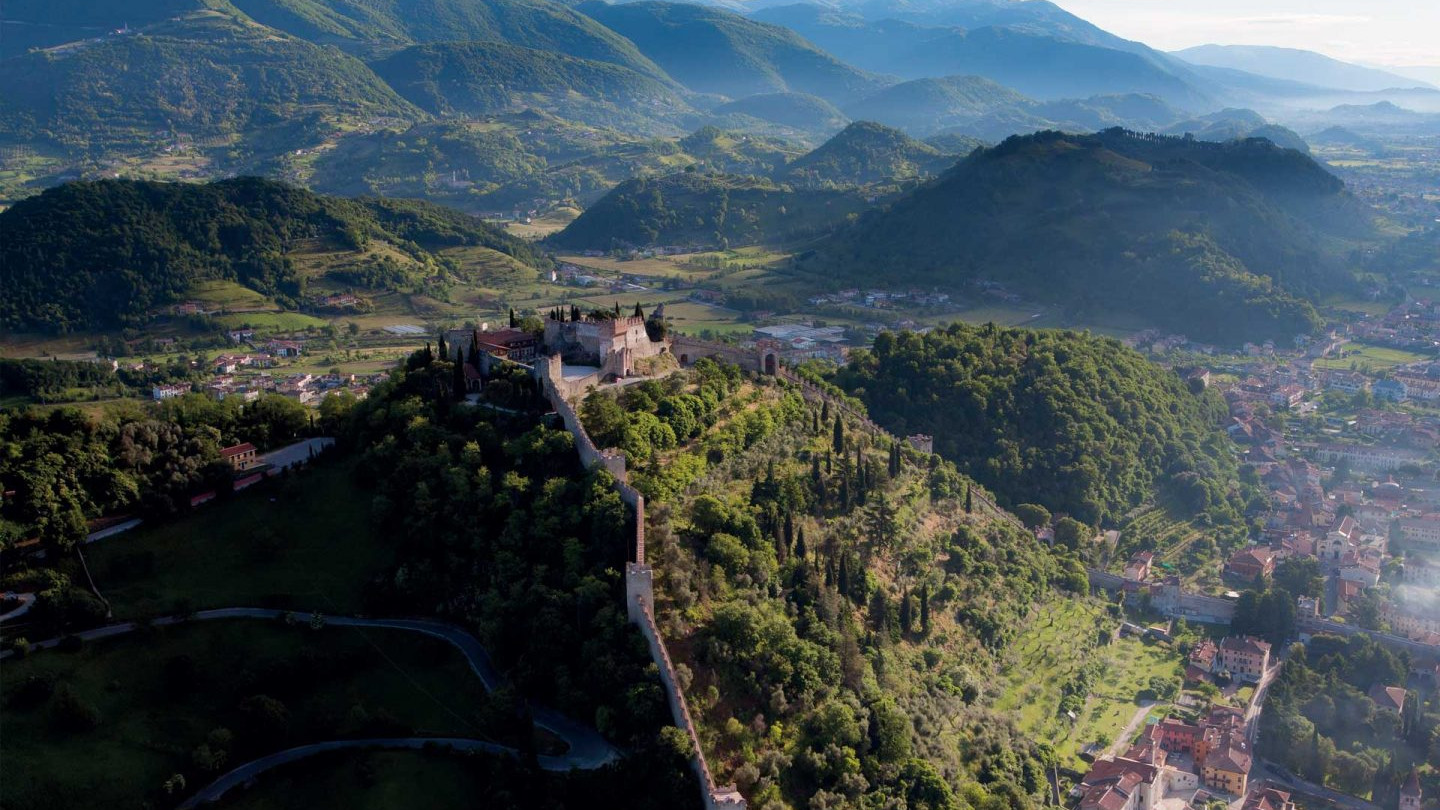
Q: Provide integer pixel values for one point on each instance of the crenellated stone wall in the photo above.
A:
(639, 583)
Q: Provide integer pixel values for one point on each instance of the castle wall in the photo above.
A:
(639, 583)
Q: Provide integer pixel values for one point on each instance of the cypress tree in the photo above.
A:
(925, 609)
(617, 310)
(825, 411)
(800, 543)
(829, 464)
(639, 313)
(838, 443)
(440, 348)
(789, 529)
(844, 576)
(513, 322)
(969, 503)
(815, 424)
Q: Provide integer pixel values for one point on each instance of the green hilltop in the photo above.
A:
(865, 153)
(696, 208)
(1222, 242)
(1076, 423)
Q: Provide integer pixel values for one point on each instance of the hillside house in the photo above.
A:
(1251, 563)
(241, 456)
(1388, 697)
(284, 348)
(1121, 784)
(1139, 566)
(163, 392)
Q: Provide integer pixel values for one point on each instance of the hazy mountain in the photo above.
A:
(864, 153)
(200, 76)
(485, 78)
(1236, 124)
(1220, 241)
(1031, 61)
(796, 110)
(1342, 137)
(955, 143)
(924, 106)
(986, 110)
(1295, 65)
(710, 50)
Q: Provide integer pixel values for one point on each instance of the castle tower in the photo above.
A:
(1410, 792)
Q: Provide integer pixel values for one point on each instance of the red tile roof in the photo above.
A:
(237, 450)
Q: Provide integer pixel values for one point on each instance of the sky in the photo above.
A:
(1375, 32)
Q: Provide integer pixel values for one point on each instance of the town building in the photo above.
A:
(163, 392)
(1244, 657)
(1269, 798)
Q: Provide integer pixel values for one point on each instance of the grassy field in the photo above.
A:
(1375, 358)
(364, 780)
(270, 321)
(159, 695)
(542, 226)
(228, 295)
(1058, 640)
(311, 548)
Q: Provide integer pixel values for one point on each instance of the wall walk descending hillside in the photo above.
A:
(639, 586)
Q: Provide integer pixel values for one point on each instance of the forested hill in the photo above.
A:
(203, 76)
(484, 78)
(865, 152)
(1076, 423)
(1222, 242)
(695, 208)
(103, 254)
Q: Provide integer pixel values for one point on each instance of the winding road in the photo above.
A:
(587, 749)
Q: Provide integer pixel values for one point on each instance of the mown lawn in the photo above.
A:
(305, 543)
(160, 693)
(1058, 640)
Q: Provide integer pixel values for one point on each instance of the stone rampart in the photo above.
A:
(640, 587)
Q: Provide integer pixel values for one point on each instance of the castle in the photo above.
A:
(611, 344)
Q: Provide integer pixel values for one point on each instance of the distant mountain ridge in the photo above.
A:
(1296, 65)
(711, 50)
